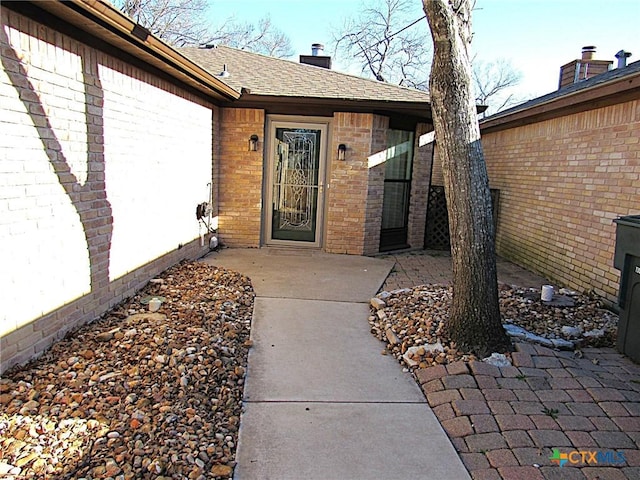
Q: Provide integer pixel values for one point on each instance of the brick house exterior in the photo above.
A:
(566, 165)
(357, 113)
(92, 143)
(111, 138)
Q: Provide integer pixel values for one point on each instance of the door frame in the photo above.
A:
(397, 237)
(295, 121)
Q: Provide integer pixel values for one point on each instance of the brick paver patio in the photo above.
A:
(550, 407)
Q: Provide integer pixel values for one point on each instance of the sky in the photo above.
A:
(536, 36)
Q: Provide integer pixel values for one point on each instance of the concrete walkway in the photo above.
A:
(321, 402)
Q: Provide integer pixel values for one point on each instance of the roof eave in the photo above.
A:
(104, 21)
(418, 109)
(596, 96)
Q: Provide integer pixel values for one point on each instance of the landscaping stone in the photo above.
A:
(134, 394)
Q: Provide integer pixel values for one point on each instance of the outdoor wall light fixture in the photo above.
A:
(342, 149)
(253, 143)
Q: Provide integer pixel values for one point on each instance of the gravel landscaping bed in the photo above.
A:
(410, 322)
(158, 395)
(137, 394)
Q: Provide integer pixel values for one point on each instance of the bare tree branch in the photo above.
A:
(492, 82)
(183, 23)
(265, 39)
(177, 22)
(389, 44)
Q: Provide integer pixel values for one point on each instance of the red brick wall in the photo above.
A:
(356, 189)
(375, 191)
(562, 182)
(348, 184)
(420, 181)
(240, 177)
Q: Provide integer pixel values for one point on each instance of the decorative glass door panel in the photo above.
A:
(295, 183)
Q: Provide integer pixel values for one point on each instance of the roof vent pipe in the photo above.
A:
(317, 50)
(225, 72)
(622, 58)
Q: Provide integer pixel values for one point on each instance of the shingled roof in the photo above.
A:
(274, 77)
(605, 89)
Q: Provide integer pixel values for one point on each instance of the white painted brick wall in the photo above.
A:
(113, 131)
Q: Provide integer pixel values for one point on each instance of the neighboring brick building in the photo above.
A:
(111, 138)
(567, 164)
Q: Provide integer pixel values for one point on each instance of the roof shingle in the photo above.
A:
(269, 76)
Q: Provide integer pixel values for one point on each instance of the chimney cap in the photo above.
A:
(317, 49)
(588, 52)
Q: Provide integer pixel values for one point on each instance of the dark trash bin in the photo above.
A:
(627, 260)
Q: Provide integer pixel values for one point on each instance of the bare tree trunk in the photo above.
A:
(474, 321)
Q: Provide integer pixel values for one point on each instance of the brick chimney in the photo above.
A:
(317, 58)
(583, 69)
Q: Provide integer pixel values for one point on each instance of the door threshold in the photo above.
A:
(291, 250)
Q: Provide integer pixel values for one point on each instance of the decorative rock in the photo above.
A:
(30, 406)
(560, 301)
(569, 292)
(415, 317)
(221, 471)
(433, 347)
(111, 468)
(515, 331)
(562, 344)
(522, 334)
(408, 358)
(413, 354)
(156, 466)
(118, 410)
(595, 333)
(392, 338)
(104, 336)
(401, 291)
(383, 295)
(571, 332)
(497, 360)
(378, 303)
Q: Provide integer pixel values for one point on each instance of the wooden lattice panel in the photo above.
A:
(437, 229)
